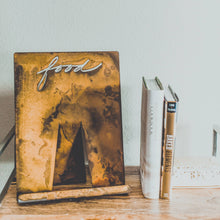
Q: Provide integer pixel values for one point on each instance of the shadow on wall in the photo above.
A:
(7, 118)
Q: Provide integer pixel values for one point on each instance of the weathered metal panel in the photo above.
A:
(65, 101)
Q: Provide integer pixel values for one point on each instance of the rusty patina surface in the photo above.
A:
(60, 112)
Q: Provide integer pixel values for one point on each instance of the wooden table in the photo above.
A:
(185, 204)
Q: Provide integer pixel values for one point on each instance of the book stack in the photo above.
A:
(158, 128)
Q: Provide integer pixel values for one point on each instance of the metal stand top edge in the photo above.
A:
(7, 139)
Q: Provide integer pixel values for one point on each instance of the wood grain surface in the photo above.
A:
(185, 204)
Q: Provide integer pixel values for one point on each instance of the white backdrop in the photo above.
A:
(177, 40)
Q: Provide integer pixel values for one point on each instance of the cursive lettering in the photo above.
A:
(67, 68)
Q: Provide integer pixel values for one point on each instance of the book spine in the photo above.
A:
(151, 136)
(168, 150)
(163, 140)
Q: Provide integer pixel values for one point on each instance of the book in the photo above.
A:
(169, 133)
(7, 163)
(151, 136)
(68, 105)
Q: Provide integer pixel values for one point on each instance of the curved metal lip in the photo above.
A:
(6, 140)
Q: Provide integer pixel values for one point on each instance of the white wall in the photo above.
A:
(177, 40)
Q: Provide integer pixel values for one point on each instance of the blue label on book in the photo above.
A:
(171, 107)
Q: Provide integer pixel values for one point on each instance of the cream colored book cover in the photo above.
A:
(151, 134)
